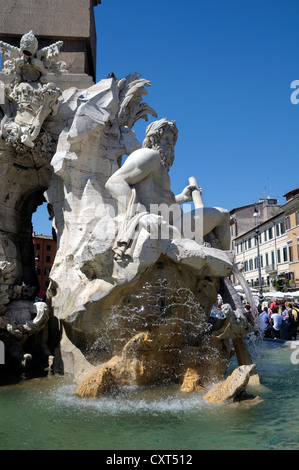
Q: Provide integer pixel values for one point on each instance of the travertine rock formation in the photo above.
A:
(234, 387)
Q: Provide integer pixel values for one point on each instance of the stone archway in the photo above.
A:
(21, 192)
(26, 207)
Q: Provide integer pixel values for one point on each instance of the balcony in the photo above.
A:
(271, 269)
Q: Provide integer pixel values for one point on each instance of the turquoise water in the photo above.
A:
(45, 414)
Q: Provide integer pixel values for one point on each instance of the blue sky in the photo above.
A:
(222, 69)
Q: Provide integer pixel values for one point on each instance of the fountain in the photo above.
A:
(123, 353)
(135, 278)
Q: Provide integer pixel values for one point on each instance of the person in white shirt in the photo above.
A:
(276, 320)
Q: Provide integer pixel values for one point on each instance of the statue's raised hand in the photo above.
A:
(186, 194)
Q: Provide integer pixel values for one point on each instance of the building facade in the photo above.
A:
(44, 254)
(291, 209)
(270, 239)
(275, 239)
(242, 218)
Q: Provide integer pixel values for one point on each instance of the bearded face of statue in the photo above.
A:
(165, 146)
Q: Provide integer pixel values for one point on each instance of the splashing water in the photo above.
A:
(155, 305)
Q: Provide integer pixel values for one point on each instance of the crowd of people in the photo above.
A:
(276, 320)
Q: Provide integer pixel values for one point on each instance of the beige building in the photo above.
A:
(274, 232)
(291, 210)
(271, 237)
(242, 218)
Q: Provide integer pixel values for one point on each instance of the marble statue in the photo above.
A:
(31, 63)
(39, 312)
(30, 98)
(22, 320)
(142, 184)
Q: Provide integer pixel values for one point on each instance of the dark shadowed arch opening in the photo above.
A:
(26, 207)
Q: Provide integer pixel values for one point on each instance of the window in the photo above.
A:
(48, 259)
(270, 233)
(297, 218)
(285, 254)
(262, 262)
(48, 247)
(272, 257)
(265, 236)
(46, 272)
(278, 256)
(287, 221)
(249, 243)
(282, 228)
(267, 259)
(277, 230)
(38, 246)
(255, 263)
(250, 265)
(246, 266)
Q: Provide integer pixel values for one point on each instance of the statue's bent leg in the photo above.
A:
(222, 230)
(216, 220)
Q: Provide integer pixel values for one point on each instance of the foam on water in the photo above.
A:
(131, 400)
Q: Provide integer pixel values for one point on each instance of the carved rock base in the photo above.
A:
(151, 358)
(106, 378)
(191, 381)
(233, 388)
